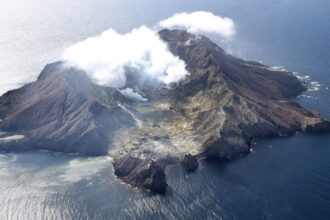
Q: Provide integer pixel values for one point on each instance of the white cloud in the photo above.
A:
(129, 93)
(107, 57)
(201, 21)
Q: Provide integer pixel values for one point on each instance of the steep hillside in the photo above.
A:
(216, 111)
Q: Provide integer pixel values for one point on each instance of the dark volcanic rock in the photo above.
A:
(215, 111)
(235, 100)
(218, 108)
(144, 173)
(319, 127)
(190, 162)
(64, 111)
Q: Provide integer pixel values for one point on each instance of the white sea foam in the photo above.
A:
(315, 86)
(301, 77)
(311, 85)
(279, 68)
(308, 96)
(12, 138)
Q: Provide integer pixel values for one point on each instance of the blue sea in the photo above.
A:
(284, 178)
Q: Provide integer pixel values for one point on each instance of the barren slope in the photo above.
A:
(215, 111)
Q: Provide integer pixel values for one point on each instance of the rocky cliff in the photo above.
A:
(214, 112)
(138, 172)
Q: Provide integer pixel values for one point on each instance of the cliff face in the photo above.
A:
(138, 172)
(214, 112)
(229, 101)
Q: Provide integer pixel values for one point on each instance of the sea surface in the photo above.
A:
(284, 178)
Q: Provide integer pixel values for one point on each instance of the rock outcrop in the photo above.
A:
(144, 173)
(216, 111)
(190, 163)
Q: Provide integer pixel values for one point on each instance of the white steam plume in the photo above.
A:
(105, 58)
(201, 21)
(129, 93)
(108, 57)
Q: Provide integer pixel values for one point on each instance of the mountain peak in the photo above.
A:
(216, 111)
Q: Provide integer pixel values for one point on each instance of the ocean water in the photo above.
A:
(285, 178)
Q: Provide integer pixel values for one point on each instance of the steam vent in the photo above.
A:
(215, 111)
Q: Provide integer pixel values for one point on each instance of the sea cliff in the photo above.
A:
(216, 111)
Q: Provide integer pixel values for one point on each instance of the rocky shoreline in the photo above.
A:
(144, 173)
(215, 112)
